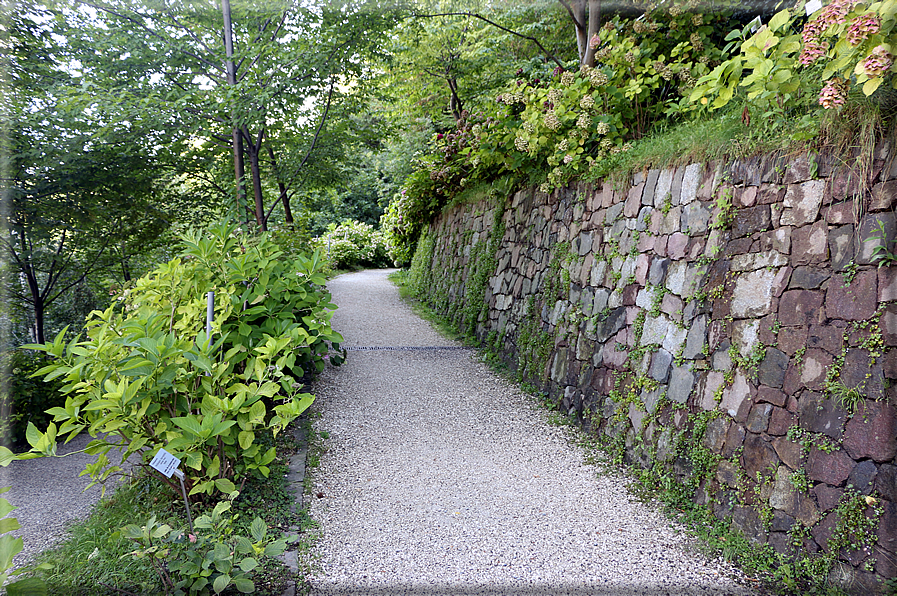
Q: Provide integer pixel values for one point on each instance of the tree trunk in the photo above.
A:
(256, 173)
(594, 24)
(236, 135)
(284, 198)
(581, 26)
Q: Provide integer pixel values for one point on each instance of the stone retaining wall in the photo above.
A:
(722, 323)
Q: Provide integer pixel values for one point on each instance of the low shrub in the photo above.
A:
(145, 375)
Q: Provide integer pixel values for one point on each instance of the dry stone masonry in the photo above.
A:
(725, 323)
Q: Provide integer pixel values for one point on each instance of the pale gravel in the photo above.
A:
(442, 478)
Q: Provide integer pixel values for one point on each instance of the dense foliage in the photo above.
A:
(145, 375)
(352, 245)
(572, 123)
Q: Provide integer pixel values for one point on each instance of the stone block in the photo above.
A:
(809, 244)
(677, 245)
(872, 432)
(886, 482)
(669, 223)
(663, 187)
(780, 421)
(771, 395)
(695, 219)
(674, 339)
(856, 302)
(758, 260)
(792, 339)
(655, 330)
(753, 294)
(887, 284)
(682, 381)
(746, 335)
(786, 498)
(802, 203)
(778, 240)
(819, 414)
(735, 396)
(841, 247)
(715, 435)
(800, 307)
(832, 468)
(713, 380)
(808, 278)
(758, 455)
(862, 477)
(887, 527)
(672, 305)
(839, 213)
(827, 496)
(750, 220)
(613, 213)
(691, 180)
(772, 369)
(734, 439)
(727, 474)
(650, 187)
(633, 201)
(798, 169)
(888, 323)
(788, 451)
(641, 268)
(696, 338)
(883, 195)
(876, 229)
(826, 337)
(758, 418)
(860, 371)
(660, 365)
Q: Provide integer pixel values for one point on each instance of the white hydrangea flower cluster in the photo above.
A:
(551, 120)
(587, 102)
(584, 121)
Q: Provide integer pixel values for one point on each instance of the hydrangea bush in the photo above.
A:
(571, 124)
(351, 245)
(848, 43)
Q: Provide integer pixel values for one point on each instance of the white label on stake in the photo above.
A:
(755, 25)
(812, 6)
(165, 463)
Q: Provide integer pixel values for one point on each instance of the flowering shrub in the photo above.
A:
(550, 131)
(848, 42)
(353, 244)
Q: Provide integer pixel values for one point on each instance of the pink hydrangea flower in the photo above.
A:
(594, 42)
(833, 95)
(878, 62)
(862, 27)
(813, 50)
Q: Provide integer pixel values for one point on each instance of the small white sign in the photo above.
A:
(812, 6)
(755, 25)
(165, 463)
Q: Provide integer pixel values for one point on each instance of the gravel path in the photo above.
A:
(442, 478)
(49, 494)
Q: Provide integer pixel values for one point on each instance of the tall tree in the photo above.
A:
(70, 180)
(242, 72)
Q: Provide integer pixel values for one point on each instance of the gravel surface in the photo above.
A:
(49, 495)
(442, 478)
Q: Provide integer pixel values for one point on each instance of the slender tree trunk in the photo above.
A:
(594, 24)
(579, 24)
(256, 174)
(236, 135)
(284, 198)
